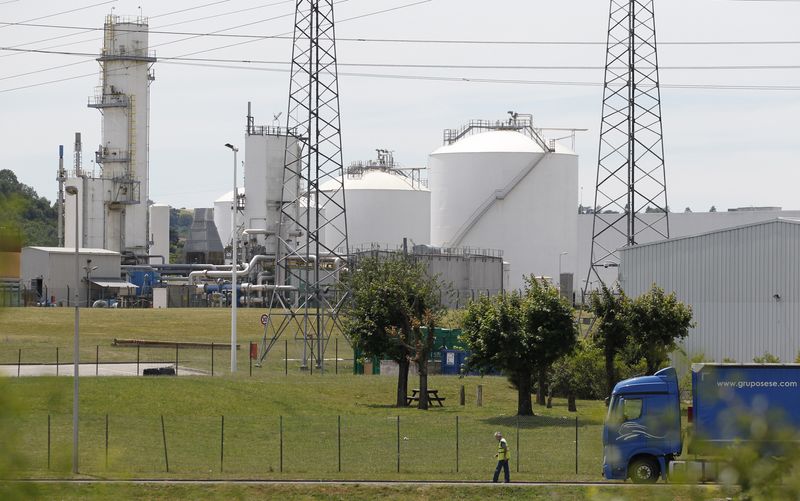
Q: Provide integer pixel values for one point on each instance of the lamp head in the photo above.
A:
(71, 190)
(232, 147)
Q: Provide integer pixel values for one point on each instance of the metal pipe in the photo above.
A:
(225, 274)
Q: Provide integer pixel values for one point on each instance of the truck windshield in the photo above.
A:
(612, 405)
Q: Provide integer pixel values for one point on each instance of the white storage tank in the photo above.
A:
(222, 216)
(504, 186)
(159, 233)
(384, 206)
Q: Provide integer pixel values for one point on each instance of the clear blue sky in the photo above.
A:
(724, 147)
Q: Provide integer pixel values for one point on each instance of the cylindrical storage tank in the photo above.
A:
(159, 233)
(265, 155)
(384, 207)
(501, 190)
(222, 216)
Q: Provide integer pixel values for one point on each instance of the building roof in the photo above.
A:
(374, 180)
(112, 283)
(497, 141)
(71, 250)
(776, 220)
(228, 197)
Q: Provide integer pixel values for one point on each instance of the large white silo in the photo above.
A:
(384, 205)
(222, 216)
(159, 233)
(265, 153)
(505, 187)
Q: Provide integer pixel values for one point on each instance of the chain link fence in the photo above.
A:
(330, 446)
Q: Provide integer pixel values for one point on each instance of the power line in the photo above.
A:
(406, 40)
(24, 23)
(87, 29)
(411, 65)
(508, 81)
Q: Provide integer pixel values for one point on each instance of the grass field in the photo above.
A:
(368, 492)
(332, 426)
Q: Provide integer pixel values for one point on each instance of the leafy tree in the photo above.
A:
(657, 321)
(27, 217)
(610, 309)
(522, 334)
(712, 209)
(180, 221)
(391, 300)
(767, 358)
(578, 375)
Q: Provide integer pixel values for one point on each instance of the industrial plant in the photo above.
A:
(496, 202)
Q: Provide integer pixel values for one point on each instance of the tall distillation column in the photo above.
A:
(115, 212)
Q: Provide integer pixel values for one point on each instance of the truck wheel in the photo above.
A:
(644, 471)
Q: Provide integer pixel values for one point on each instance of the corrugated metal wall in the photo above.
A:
(731, 279)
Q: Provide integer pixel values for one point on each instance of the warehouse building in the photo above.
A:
(743, 284)
(49, 273)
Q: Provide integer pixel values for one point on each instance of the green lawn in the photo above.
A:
(333, 426)
(368, 492)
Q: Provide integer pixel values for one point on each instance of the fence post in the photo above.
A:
(576, 445)
(517, 444)
(19, 360)
(462, 396)
(457, 442)
(336, 355)
(398, 444)
(106, 441)
(222, 445)
(286, 357)
(48, 441)
(339, 440)
(251, 363)
(137, 359)
(56, 360)
(480, 395)
(281, 434)
(97, 360)
(212, 358)
(164, 437)
(176, 358)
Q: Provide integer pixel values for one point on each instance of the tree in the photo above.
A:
(610, 309)
(521, 334)
(712, 209)
(657, 321)
(391, 300)
(26, 217)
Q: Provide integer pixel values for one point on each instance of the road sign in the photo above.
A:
(264, 319)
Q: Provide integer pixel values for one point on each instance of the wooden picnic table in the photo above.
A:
(433, 396)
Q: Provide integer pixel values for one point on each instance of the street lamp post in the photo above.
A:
(89, 269)
(559, 267)
(234, 299)
(73, 190)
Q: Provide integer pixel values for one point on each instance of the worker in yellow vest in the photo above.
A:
(502, 456)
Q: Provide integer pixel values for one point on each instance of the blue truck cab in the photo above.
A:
(642, 431)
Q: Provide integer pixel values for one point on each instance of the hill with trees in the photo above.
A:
(25, 217)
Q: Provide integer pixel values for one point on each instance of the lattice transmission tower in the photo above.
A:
(312, 246)
(630, 204)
